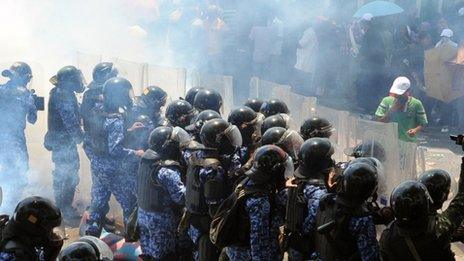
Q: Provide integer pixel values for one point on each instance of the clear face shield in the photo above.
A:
(233, 135)
(102, 250)
(289, 168)
(287, 119)
(181, 136)
(291, 142)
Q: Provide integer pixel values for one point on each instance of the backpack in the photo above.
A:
(227, 224)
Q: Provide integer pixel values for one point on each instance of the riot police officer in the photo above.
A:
(180, 113)
(438, 184)
(161, 193)
(93, 95)
(86, 248)
(316, 127)
(151, 101)
(344, 226)
(108, 154)
(273, 107)
(262, 210)
(249, 124)
(29, 235)
(309, 186)
(17, 104)
(415, 234)
(278, 120)
(288, 140)
(207, 184)
(191, 93)
(64, 133)
(208, 99)
(204, 116)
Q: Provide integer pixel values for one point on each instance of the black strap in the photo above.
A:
(412, 248)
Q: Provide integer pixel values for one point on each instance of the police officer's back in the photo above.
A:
(161, 193)
(311, 178)
(261, 211)
(345, 227)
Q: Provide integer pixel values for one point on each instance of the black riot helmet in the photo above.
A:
(411, 204)
(248, 122)
(315, 156)
(116, 94)
(438, 184)
(23, 71)
(104, 71)
(180, 113)
(37, 216)
(200, 120)
(288, 140)
(254, 104)
(219, 134)
(154, 97)
(369, 148)
(278, 120)
(191, 93)
(208, 99)
(316, 128)
(358, 183)
(274, 107)
(270, 163)
(87, 248)
(167, 141)
(69, 78)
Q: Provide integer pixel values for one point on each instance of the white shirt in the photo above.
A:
(305, 55)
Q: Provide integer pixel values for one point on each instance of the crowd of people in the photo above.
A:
(196, 185)
(317, 48)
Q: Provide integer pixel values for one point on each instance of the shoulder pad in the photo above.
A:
(151, 155)
(168, 163)
(194, 145)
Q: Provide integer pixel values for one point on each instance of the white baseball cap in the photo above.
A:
(447, 33)
(400, 85)
(367, 17)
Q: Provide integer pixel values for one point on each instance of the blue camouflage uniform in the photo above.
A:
(265, 219)
(64, 133)
(158, 230)
(109, 177)
(16, 105)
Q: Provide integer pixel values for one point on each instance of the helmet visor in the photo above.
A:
(233, 135)
(181, 136)
(289, 168)
(102, 250)
(291, 142)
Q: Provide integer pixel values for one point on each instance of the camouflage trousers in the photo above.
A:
(65, 174)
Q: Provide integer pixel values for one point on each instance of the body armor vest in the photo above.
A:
(151, 194)
(55, 122)
(197, 193)
(426, 244)
(333, 240)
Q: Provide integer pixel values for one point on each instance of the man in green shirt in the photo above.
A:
(402, 108)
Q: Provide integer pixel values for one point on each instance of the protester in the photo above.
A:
(402, 108)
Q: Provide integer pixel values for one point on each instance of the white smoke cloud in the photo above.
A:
(51, 31)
